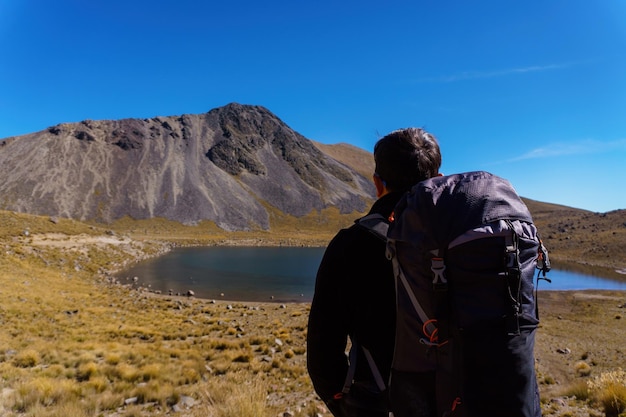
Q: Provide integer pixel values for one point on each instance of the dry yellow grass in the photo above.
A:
(71, 343)
(609, 390)
(74, 343)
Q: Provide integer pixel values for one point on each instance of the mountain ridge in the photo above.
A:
(222, 166)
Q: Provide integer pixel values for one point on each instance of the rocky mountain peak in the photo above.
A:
(224, 165)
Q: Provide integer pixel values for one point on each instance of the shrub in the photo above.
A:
(123, 372)
(243, 357)
(579, 389)
(246, 399)
(54, 371)
(258, 340)
(189, 376)
(86, 371)
(46, 392)
(108, 400)
(98, 383)
(299, 350)
(609, 390)
(112, 358)
(548, 380)
(26, 359)
(74, 409)
(582, 368)
(151, 371)
(221, 366)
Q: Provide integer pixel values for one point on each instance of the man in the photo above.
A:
(355, 290)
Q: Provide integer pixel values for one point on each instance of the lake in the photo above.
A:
(274, 274)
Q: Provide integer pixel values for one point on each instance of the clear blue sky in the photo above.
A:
(533, 91)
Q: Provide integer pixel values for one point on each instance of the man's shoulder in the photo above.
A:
(355, 238)
(354, 231)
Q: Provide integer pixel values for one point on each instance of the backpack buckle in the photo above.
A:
(440, 283)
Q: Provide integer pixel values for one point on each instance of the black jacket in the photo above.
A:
(354, 295)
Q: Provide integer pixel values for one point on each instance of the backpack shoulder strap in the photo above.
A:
(376, 224)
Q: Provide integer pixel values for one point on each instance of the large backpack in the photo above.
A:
(464, 249)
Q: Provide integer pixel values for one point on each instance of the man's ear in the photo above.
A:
(381, 190)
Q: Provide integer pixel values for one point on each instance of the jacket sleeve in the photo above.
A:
(327, 328)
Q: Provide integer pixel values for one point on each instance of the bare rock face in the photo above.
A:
(222, 166)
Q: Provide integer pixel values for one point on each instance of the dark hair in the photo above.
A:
(405, 157)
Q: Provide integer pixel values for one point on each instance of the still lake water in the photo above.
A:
(274, 273)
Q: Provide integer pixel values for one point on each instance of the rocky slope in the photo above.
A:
(226, 166)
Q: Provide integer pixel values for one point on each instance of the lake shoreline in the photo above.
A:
(282, 273)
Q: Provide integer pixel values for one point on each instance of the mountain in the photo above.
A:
(226, 166)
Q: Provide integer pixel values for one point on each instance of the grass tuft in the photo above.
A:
(26, 359)
(609, 390)
(582, 368)
(578, 389)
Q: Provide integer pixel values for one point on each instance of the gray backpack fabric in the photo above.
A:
(464, 249)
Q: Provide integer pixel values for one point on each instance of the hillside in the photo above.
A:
(586, 241)
(226, 166)
(356, 158)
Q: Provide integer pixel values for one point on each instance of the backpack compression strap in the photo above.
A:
(378, 378)
(514, 275)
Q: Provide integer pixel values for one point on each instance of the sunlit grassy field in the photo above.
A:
(74, 342)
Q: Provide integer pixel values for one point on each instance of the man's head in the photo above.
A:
(405, 157)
